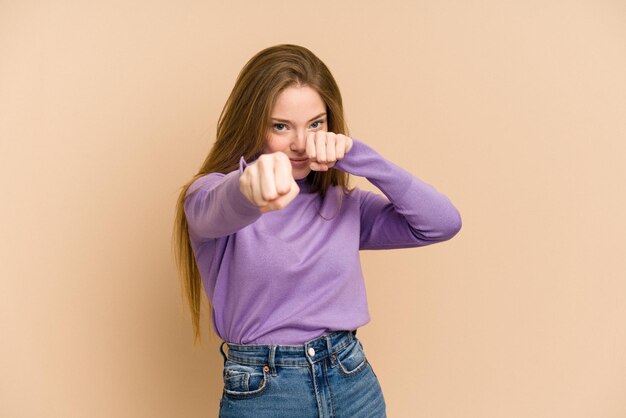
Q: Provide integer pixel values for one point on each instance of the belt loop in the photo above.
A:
(222, 352)
(271, 359)
(331, 353)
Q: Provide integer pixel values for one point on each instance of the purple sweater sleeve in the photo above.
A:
(414, 212)
(215, 207)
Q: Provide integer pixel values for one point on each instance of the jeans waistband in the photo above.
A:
(289, 355)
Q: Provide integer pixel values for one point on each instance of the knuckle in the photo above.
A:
(282, 188)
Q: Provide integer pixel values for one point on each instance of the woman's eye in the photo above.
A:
(319, 122)
(278, 126)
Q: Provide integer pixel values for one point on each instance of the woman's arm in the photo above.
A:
(215, 207)
(413, 213)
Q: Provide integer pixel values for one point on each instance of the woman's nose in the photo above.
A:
(298, 144)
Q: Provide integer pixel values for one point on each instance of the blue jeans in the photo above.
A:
(328, 376)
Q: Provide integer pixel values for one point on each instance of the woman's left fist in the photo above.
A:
(324, 149)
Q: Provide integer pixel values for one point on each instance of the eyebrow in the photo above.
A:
(288, 121)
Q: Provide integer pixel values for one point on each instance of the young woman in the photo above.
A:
(272, 232)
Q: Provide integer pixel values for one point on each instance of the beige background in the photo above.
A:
(514, 110)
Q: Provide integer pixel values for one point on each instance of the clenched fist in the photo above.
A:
(268, 182)
(325, 148)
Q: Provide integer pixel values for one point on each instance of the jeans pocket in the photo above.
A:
(243, 381)
(351, 359)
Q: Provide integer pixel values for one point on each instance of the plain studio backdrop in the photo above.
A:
(515, 110)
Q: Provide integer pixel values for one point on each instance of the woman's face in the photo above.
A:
(298, 111)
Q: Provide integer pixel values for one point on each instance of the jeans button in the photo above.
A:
(311, 351)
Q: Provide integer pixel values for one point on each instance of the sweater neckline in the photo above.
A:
(304, 184)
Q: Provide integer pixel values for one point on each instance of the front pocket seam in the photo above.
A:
(249, 394)
(354, 372)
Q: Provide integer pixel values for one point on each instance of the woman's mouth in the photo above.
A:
(299, 162)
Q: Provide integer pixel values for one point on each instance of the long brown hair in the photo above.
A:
(241, 131)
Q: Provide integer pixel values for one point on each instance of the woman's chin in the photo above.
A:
(300, 174)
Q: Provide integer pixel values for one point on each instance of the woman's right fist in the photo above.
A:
(268, 182)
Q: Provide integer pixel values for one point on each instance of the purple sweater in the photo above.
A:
(288, 276)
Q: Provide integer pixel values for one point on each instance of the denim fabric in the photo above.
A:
(329, 376)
